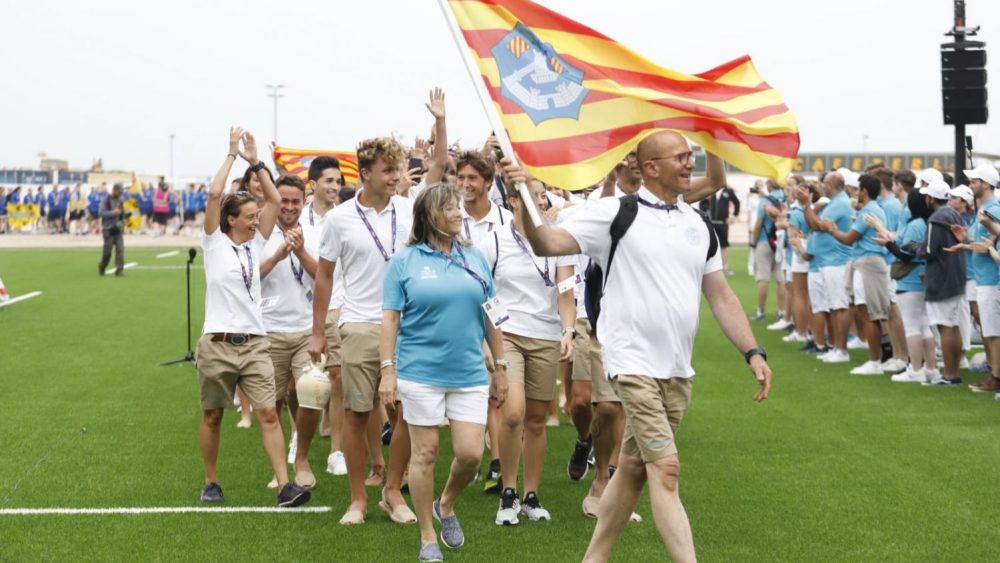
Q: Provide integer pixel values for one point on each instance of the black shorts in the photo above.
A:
(93, 215)
(74, 215)
(160, 218)
(55, 215)
(722, 231)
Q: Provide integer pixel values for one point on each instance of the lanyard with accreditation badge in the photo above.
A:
(495, 311)
(374, 235)
(247, 278)
(524, 248)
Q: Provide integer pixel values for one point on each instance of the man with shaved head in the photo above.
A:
(663, 264)
(829, 293)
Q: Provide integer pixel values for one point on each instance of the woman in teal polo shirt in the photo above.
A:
(433, 328)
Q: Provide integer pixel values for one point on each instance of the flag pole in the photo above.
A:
(498, 129)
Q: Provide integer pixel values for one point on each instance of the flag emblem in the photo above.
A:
(536, 78)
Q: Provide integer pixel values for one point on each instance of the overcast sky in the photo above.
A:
(114, 78)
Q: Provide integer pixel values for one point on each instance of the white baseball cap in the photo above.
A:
(938, 189)
(850, 178)
(984, 172)
(929, 175)
(964, 192)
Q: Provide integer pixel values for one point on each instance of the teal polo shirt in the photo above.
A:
(866, 245)
(441, 331)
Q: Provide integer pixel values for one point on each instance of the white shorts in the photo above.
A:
(799, 266)
(817, 293)
(892, 290)
(914, 312)
(970, 290)
(429, 405)
(947, 312)
(835, 282)
(786, 273)
(988, 298)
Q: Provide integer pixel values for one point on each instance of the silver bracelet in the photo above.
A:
(386, 363)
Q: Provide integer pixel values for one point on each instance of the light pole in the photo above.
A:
(275, 94)
(864, 150)
(171, 157)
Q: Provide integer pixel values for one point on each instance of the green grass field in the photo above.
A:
(832, 468)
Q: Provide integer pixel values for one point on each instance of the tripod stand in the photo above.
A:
(189, 357)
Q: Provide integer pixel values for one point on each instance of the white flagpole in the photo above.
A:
(491, 114)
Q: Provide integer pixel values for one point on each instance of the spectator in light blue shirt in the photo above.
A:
(433, 329)
(982, 182)
(871, 272)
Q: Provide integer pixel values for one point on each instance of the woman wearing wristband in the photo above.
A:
(433, 327)
(233, 350)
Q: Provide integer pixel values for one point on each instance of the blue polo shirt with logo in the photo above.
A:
(441, 331)
(834, 252)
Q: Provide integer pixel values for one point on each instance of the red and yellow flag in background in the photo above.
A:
(575, 102)
(296, 162)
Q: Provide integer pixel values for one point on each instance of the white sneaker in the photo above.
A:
(336, 464)
(795, 337)
(931, 375)
(964, 364)
(293, 447)
(836, 357)
(868, 368)
(909, 376)
(856, 343)
(508, 516)
(822, 356)
(893, 365)
(780, 324)
(533, 509)
(273, 484)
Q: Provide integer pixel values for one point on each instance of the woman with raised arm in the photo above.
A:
(233, 350)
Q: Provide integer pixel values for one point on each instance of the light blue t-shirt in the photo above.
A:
(866, 245)
(892, 208)
(817, 261)
(797, 219)
(769, 199)
(913, 231)
(984, 268)
(834, 252)
(441, 331)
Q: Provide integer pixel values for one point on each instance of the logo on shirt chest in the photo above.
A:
(428, 273)
(692, 235)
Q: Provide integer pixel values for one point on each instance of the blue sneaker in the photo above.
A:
(810, 348)
(758, 317)
(212, 492)
(431, 552)
(451, 531)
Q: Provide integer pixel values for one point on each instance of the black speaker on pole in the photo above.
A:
(963, 83)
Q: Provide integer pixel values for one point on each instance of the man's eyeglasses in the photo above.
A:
(682, 158)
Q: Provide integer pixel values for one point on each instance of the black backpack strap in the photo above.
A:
(496, 241)
(627, 212)
(713, 240)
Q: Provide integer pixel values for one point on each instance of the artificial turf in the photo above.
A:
(832, 467)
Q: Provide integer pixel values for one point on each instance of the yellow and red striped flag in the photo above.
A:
(575, 102)
(296, 162)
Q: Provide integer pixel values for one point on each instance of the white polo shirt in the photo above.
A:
(532, 305)
(649, 313)
(581, 261)
(315, 222)
(232, 280)
(288, 287)
(347, 241)
(494, 219)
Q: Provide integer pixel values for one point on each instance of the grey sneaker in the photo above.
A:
(431, 552)
(211, 492)
(293, 495)
(451, 530)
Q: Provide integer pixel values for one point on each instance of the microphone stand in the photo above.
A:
(189, 357)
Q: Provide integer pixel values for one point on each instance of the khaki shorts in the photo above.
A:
(589, 366)
(534, 363)
(333, 338)
(290, 356)
(222, 366)
(360, 373)
(766, 267)
(653, 411)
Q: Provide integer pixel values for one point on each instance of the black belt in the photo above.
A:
(232, 338)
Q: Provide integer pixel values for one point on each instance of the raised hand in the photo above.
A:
(961, 232)
(874, 222)
(883, 239)
(249, 152)
(234, 139)
(436, 103)
(421, 147)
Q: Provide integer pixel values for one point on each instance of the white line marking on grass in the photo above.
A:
(160, 510)
(13, 300)
(168, 254)
(128, 265)
(193, 267)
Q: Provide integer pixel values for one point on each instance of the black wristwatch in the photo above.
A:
(755, 352)
(257, 167)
